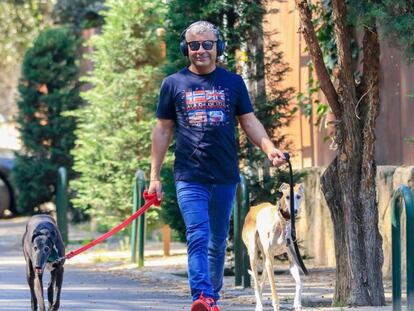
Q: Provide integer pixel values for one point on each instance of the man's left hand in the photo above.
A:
(276, 157)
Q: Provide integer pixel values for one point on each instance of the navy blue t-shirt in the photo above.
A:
(204, 109)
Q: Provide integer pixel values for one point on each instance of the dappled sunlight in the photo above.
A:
(10, 287)
(12, 261)
(122, 258)
(18, 304)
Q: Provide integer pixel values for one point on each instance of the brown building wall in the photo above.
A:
(394, 123)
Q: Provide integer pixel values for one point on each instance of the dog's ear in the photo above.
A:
(283, 187)
(52, 235)
(35, 234)
(301, 189)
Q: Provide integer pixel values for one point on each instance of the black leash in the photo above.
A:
(295, 249)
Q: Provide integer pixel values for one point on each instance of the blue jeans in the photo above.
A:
(206, 209)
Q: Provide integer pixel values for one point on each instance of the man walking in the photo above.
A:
(201, 102)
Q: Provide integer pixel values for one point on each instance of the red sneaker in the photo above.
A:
(204, 304)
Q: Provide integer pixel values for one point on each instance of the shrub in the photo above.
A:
(48, 88)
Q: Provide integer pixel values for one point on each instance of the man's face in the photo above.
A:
(202, 59)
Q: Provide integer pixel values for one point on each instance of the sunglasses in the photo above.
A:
(207, 45)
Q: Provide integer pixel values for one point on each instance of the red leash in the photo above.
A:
(151, 199)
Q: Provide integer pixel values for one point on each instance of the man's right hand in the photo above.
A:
(156, 187)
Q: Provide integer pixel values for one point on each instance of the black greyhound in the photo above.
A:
(43, 248)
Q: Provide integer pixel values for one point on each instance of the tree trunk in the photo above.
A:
(371, 103)
(351, 198)
(349, 182)
(349, 188)
(331, 190)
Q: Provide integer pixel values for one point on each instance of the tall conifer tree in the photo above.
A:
(114, 133)
(48, 87)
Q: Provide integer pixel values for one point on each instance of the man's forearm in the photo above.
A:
(262, 139)
(257, 134)
(161, 138)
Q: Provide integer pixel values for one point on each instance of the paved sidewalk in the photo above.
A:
(104, 279)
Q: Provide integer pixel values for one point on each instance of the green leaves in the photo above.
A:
(397, 20)
(51, 60)
(395, 17)
(79, 14)
(20, 23)
(114, 131)
(48, 88)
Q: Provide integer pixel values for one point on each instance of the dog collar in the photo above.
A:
(54, 256)
(285, 216)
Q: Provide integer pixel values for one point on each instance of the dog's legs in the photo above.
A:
(294, 270)
(58, 288)
(38, 288)
(263, 276)
(253, 255)
(50, 287)
(270, 273)
(30, 280)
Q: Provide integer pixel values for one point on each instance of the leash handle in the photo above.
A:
(292, 216)
(151, 199)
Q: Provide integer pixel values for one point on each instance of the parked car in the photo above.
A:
(7, 192)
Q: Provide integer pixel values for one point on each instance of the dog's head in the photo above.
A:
(285, 199)
(43, 243)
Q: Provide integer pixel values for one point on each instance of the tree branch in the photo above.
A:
(343, 43)
(317, 58)
(371, 103)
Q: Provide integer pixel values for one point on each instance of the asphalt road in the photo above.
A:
(86, 287)
(107, 282)
(83, 288)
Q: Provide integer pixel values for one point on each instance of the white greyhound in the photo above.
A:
(267, 229)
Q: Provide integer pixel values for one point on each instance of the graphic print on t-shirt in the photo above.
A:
(206, 107)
